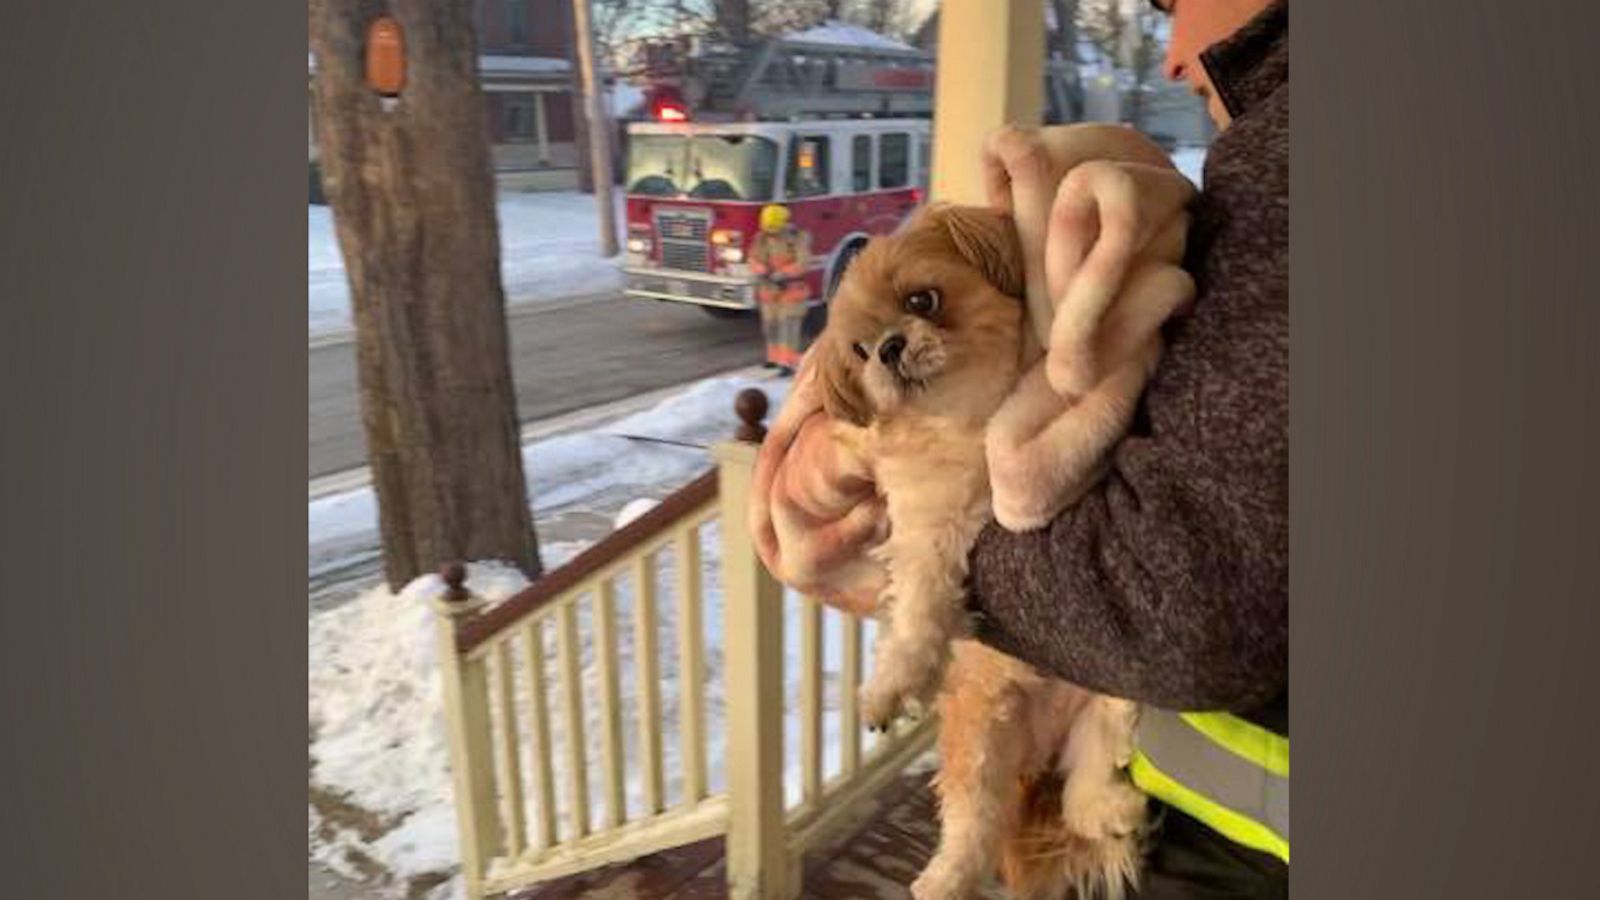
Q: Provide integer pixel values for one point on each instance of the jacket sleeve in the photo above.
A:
(799, 257)
(1168, 582)
(758, 255)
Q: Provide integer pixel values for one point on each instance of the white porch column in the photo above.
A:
(991, 72)
(540, 130)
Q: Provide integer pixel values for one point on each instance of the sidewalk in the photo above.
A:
(326, 884)
(549, 252)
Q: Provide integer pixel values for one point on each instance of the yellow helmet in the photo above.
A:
(774, 217)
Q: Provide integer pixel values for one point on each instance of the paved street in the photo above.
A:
(565, 357)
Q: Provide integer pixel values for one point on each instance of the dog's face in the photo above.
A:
(927, 320)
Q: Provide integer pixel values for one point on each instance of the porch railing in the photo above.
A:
(656, 673)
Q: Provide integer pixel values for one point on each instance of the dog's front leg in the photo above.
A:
(927, 568)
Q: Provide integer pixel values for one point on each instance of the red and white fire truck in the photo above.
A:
(837, 133)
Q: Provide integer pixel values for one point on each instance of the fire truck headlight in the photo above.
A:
(638, 245)
(732, 254)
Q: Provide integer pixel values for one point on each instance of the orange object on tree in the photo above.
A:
(386, 56)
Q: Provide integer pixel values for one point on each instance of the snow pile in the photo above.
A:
(593, 471)
(379, 738)
(491, 63)
(845, 34)
(549, 250)
(633, 510)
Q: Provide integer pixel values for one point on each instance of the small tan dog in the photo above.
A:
(931, 366)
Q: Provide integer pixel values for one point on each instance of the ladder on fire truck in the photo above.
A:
(789, 77)
(786, 78)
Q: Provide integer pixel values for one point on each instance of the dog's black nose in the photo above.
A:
(889, 351)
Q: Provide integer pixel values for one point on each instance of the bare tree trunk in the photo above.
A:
(412, 192)
(1067, 44)
(733, 19)
(597, 112)
(580, 108)
(880, 13)
(1143, 51)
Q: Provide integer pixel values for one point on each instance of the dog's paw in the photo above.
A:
(896, 690)
(943, 882)
(1109, 810)
(881, 704)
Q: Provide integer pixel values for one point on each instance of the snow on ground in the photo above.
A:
(549, 250)
(592, 470)
(1190, 161)
(380, 742)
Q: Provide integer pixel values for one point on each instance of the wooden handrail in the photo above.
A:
(607, 551)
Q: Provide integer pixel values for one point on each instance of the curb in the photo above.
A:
(576, 420)
(514, 310)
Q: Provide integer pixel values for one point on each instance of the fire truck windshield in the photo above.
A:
(705, 166)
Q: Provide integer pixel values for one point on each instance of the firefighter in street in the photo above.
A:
(778, 257)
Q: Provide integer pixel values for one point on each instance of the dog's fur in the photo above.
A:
(1007, 732)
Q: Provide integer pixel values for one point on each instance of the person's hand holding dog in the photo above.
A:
(815, 513)
(814, 509)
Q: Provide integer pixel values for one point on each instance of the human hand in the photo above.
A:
(1023, 173)
(814, 509)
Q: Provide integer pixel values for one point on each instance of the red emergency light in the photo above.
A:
(666, 105)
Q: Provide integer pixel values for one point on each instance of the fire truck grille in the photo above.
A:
(683, 238)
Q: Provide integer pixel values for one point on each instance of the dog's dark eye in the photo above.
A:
(860, 350)
(923, 303)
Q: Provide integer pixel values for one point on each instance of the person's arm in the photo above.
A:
(758, 255)
(1167, 583)
(800, 258)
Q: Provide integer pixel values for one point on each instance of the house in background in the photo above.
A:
(1169, 112)
(531, 109)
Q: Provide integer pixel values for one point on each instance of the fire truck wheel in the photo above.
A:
(723, 312)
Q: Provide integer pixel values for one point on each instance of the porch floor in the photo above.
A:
(892, 839)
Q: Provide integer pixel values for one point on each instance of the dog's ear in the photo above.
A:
(842, 397)
(988, 240)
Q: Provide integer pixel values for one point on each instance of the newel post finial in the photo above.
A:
(751, 407)
(457, 603)
(455, 578)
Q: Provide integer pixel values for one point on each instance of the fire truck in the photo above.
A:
(837, 132)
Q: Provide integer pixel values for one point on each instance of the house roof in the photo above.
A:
(491, 64)
(845, 34)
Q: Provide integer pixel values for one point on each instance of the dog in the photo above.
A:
(929, 367)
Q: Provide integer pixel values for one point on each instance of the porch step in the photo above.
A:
(879, 858)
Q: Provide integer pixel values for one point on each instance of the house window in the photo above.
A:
(518, 112)
(517, 21)
(861, 163)
(894, 160)
(808, 166)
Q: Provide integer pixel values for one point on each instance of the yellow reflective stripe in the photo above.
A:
(1234, 826)
(1244, 739)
